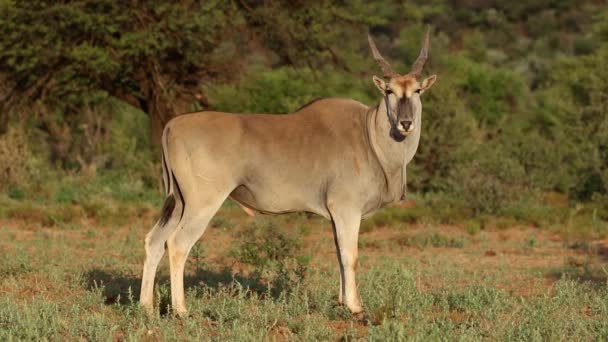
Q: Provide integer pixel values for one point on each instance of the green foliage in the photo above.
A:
(114, 49)
(449, 131)
(432, 239)
(488, 180)
(61, 60)
(127, 147)
(581, 83)
(15, 263)
(266, 246)
(16, 193)
(407, 293)
(15, 161)
(473, 227)
(273, 255)
(394, 216)
(490, 93)
(519, 108)
(285, 89)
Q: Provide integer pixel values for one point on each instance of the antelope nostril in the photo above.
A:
(406, 124)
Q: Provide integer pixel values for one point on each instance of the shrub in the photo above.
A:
(577, 89)
(14, 153)
(491, 93)
(547, 164)
(394, 216)
(16, 263)
(432, 239)
(266, 245)
(489, 180)
(272, 253)
(448, 130)
(285, 89)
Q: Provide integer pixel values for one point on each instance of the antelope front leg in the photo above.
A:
(346, 233)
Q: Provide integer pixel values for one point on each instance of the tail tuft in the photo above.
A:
(167, 210)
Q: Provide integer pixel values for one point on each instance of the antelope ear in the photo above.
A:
(380, 84)
(427, 83)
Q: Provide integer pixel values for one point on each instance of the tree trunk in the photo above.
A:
(159, 112)
(3, 122)
(157, 124)
(160, 101)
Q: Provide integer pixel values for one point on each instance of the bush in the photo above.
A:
(577, 89)
(286, 89)
(393, 216)
(273, 255)
(432, 239)
(265, 245)
(15, 166)
(448, 131)
(489, 180)
(491, 93)
(546, 163)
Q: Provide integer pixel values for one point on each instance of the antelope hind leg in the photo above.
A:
(155, 249)
(193, 225)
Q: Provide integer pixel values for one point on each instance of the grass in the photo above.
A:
(429, 238)
(69, 270)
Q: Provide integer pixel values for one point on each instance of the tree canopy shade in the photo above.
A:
(61, 56)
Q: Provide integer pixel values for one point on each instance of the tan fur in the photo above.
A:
(337, 158)
(404, 85)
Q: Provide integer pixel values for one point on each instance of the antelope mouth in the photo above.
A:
(403, 131)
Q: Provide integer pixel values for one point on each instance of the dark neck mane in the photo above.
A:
(310, 103)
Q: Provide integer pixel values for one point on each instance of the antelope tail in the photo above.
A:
(171, 187)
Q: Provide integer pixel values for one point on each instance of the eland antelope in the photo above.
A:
(334, 157)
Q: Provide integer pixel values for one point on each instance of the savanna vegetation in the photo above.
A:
(503, 236)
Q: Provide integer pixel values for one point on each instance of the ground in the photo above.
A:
(420, 281)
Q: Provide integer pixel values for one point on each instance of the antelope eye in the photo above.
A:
(388, 91)
(418, 91)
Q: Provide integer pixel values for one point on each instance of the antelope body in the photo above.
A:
(334, 157)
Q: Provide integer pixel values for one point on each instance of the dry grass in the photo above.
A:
(419, 281)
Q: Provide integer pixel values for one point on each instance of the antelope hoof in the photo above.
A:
(360, 316)
(148, 308)
(180, 313)
(355, 308)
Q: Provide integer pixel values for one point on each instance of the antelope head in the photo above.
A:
(402, 92)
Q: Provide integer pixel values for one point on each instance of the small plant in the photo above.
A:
(64, 214)
(434, 239)
(305, 230)
(473, 227)
(197, 255)
(12, 264)
(70, 193)
(15, 163)
(393, 216)
(272, 253)
(265, 245)
(583, 246)
(16, 192)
